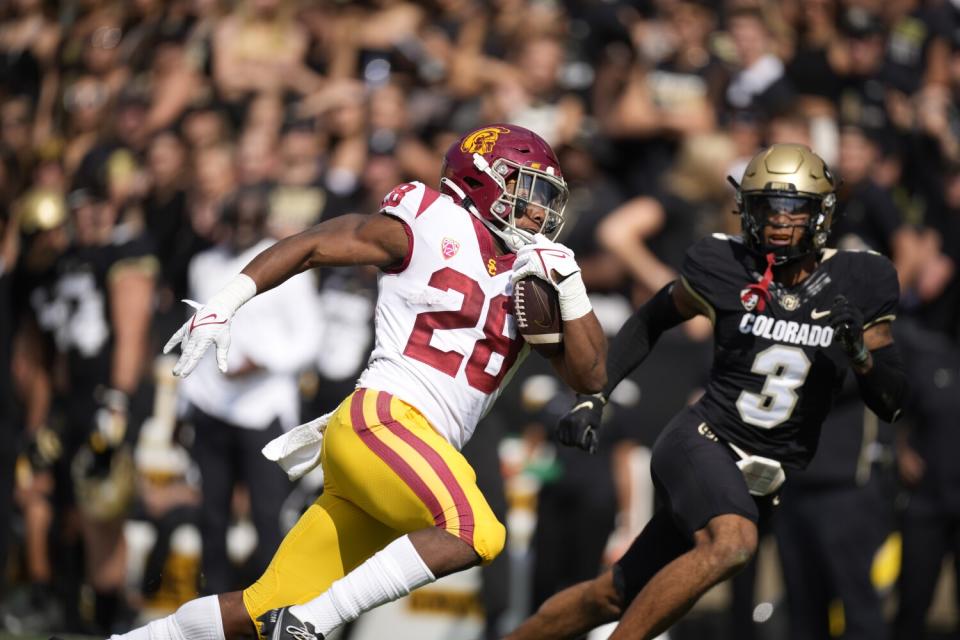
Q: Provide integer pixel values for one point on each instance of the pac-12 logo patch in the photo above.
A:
(749, 299)
(449, 248)
(482, 141)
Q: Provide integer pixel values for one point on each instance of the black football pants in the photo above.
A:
(228, 455)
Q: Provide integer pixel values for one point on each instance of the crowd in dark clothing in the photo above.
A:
(128, 129)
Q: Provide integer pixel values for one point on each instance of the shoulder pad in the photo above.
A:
(408, 201)
(716, 268)
(871, 282)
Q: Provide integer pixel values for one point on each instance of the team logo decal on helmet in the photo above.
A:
(505, 173)
(483, 140)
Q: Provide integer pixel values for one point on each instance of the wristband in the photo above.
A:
(574, 302)
(235, 294)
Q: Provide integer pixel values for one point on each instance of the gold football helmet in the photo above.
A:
(41, 210)
(786, 178)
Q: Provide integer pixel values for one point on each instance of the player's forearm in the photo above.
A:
(636, 338)
(883, 386)
(584, 354)
(283, 260)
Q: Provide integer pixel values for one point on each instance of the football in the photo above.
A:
(536, 306)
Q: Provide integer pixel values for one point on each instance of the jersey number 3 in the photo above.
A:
(495, 340)
(786, 370)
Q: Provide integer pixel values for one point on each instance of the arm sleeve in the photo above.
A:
(884, 387)
(636, 338)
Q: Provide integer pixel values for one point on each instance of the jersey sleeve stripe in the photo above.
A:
(705, 306)
(395, 269)
(437, 464)
(890, 317)
(393, 459)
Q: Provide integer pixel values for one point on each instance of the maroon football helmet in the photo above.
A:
(478, 170)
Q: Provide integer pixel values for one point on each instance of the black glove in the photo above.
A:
(578, 427)
(847, 323)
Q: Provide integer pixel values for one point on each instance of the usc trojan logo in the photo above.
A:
(482, 141)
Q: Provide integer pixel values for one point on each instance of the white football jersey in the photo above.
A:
(446, 340)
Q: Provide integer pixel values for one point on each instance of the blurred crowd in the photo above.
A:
(149, 148)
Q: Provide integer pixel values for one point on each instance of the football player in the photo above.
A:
(400, 506)
(790, 317)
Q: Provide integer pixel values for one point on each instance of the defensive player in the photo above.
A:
(400, 506)
(790, 316)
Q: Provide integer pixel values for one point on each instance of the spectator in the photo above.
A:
(42, 218)
(663, 101)
(99, 314)
(167, 222)
(235, 416)
(928, 436)
(29, 37)
(260, 48)
(868, 216)
(298, 201)
(757, 80)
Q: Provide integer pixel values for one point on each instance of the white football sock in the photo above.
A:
(195, 620)
(391, 573)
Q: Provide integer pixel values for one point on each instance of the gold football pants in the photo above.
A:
(386, 473)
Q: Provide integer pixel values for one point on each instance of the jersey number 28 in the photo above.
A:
(786, 370)
(494, 338)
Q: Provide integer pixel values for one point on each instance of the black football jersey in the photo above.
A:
(74, 307)
(776, 366)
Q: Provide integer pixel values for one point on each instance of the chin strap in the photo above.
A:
(762, 289)
(514, 238)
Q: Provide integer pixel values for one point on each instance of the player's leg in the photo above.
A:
(722, 548)
(332, 537)
(584, 606)
(704, 490)
(574, 611)
(392, 464)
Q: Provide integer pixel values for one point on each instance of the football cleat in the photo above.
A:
(280, 624)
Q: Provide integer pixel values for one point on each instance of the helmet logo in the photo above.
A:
(449, 248)
(482, 141)
(749, 299)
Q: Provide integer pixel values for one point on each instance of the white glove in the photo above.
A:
(298, 450)
(554, 263)
(542, 258)
(210, 324)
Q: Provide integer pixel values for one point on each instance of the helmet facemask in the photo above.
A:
(756, 209)
(521, 187)
(786, 180)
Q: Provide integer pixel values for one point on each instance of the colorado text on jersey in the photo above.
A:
(789, 331)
